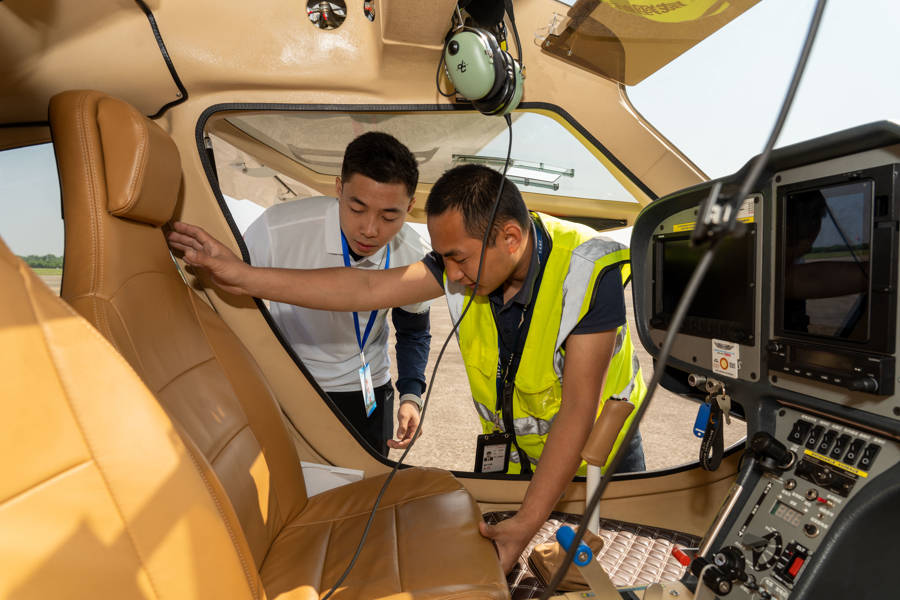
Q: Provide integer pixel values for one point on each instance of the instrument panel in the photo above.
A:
(796, 322)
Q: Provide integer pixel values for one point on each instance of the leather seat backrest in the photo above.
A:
(99, 497)
(120, 176)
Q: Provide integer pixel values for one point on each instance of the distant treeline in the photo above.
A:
(47, 261)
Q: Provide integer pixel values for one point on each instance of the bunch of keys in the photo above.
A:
(715, 393)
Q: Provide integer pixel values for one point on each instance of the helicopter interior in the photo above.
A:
(158, 424)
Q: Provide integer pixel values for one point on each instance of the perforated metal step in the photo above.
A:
(633, 555)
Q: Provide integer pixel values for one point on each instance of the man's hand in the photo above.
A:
(407, 424)
(206, 252)
(510, 537)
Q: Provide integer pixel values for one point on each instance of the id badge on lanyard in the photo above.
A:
(365, 373)
(365, 384)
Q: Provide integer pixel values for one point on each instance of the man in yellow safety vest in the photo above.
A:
(545, 341)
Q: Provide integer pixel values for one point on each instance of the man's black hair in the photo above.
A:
(381, 157)
(472, 190)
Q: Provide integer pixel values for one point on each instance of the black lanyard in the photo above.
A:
(506, 377)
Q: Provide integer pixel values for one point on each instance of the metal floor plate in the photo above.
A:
(633, 555)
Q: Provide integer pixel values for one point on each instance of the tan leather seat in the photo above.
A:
(99, 497)
(120, 175)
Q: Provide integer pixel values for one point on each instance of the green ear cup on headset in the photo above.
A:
(470, 64)
(517, 93)
(482, 72)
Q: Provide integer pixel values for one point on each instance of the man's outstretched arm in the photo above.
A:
(338, 289)
(587, 359)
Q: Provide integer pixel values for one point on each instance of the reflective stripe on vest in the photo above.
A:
(577, 259)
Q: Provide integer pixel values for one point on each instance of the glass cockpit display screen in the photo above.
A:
(724, 304)
(827, 237)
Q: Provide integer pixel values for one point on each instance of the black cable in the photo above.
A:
(763, 158)
(686, 298)
(515, 30)
(484, 245)
(437, 79)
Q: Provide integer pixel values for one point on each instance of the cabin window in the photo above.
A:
(548, 158)
(264, 158)
(719, 100)
(30, 211)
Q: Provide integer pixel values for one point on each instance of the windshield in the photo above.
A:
(718, 102)
(546, 158)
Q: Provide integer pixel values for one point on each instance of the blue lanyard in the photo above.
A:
(387, 264)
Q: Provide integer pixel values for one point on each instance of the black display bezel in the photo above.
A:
(741, 332)
(883, 257)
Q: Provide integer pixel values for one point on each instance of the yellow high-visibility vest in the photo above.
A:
(578, 257)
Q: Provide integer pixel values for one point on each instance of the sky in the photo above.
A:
(717, 102)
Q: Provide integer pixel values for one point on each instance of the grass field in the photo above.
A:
(44, 272)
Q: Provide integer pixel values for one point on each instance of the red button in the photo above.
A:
(795, 567)
(680, 556)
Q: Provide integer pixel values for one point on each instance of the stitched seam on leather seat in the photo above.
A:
(368, 510)
(178, 376)
(397, 551)
(244, 564)
(78, 423)
(122, 284)
(325, 558)
(95, 302)
(138, 175)
(212, 459)
(273, 488)
(124, 364)
(134, 347)
(97, 211)
(88, 173)
(46, 481)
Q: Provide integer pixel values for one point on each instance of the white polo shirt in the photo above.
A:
(306, 234)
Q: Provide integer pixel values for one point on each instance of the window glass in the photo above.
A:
(547, 158)
(30, 218)
(718, 102)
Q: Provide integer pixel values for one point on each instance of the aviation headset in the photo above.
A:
(482, 72)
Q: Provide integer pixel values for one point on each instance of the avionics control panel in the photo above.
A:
(790, 510)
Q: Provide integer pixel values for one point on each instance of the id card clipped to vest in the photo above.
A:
(365, 384)
(492, 452)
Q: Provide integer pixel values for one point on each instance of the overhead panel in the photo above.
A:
(53, 45)
(629, 40)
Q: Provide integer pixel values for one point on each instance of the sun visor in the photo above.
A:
(629, 40)
(107, 45)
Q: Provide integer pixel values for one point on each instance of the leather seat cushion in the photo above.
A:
(408, 549)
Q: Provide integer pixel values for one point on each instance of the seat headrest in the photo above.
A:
(141, 162)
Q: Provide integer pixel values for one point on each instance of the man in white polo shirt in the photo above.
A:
(364, 227)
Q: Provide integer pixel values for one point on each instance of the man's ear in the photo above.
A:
(512, 235)
(412, 202)
(338, 186)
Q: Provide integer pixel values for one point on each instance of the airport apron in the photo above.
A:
(578, 258)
